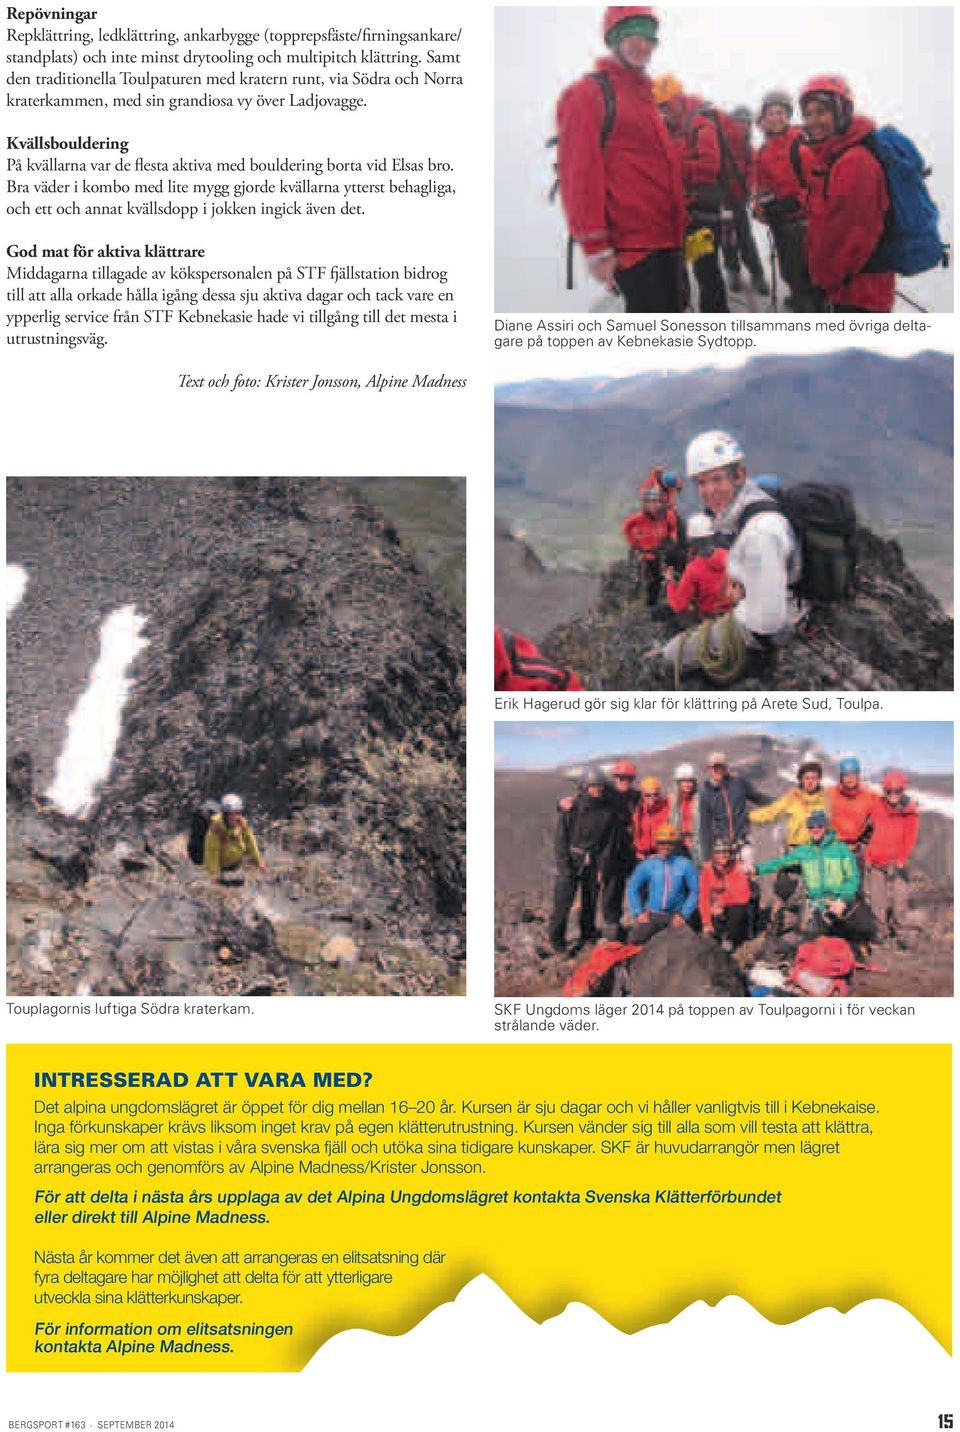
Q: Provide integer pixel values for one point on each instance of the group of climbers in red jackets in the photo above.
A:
(676, 560)
(848, 846)
(653, 178)
(679, 560)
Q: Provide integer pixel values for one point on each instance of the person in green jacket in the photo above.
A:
(229, 841)
(831, 877)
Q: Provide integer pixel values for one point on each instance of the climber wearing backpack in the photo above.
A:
(847, 201)
(871, 215)
(694, 133)
(736, 172)
(703, 587)
(895, 819)
(230, 843)
(519, 665)
(780, 196)
(649, 533)
(618, 173)
(763, 558)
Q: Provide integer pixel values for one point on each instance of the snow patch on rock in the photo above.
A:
(93, 727)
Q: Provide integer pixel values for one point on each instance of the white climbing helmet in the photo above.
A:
(699, 525)
(713, 449)
(684, 772)
(231, 805)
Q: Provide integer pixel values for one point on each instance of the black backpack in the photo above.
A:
(609, 116)
(824, 521)
(199, 825)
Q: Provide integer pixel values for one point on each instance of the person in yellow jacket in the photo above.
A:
(229, 841)
(793, 808)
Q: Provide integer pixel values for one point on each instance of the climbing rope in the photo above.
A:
(722, 662)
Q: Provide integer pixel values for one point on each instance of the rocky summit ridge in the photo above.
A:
(893, 635)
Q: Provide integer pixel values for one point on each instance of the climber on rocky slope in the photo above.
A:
(230, 843)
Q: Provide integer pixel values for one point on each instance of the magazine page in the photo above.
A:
(331, 343)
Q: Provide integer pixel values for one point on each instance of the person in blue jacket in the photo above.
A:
(663, 889)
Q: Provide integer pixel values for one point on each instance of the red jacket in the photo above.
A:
(846, 203)
(686, 813)
(741, 150)
(649, 534)
(774, 173)
(850, 812)
(895, 830)
(697, 148)
(703, 586)
(718, 889)
(519, 666)
(645, 823)
(626, 195)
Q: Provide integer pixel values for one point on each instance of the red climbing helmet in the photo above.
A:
(836, 92)
(617, 17)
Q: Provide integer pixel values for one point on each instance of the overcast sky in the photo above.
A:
(920, 745)
(899, 60)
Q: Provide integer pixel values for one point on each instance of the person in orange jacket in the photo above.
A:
(896, 824)
(652, 810)
(725, 897)
(847, 200)
(649, 533)
(850, 804)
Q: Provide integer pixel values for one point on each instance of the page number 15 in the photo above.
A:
(945, 1419)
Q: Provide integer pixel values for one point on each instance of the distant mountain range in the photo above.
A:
(569, 454)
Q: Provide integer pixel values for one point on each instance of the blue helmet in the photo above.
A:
(669, 480)
(849, 766)
(769, 483)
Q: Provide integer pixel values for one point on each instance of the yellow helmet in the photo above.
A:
(650, 786)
